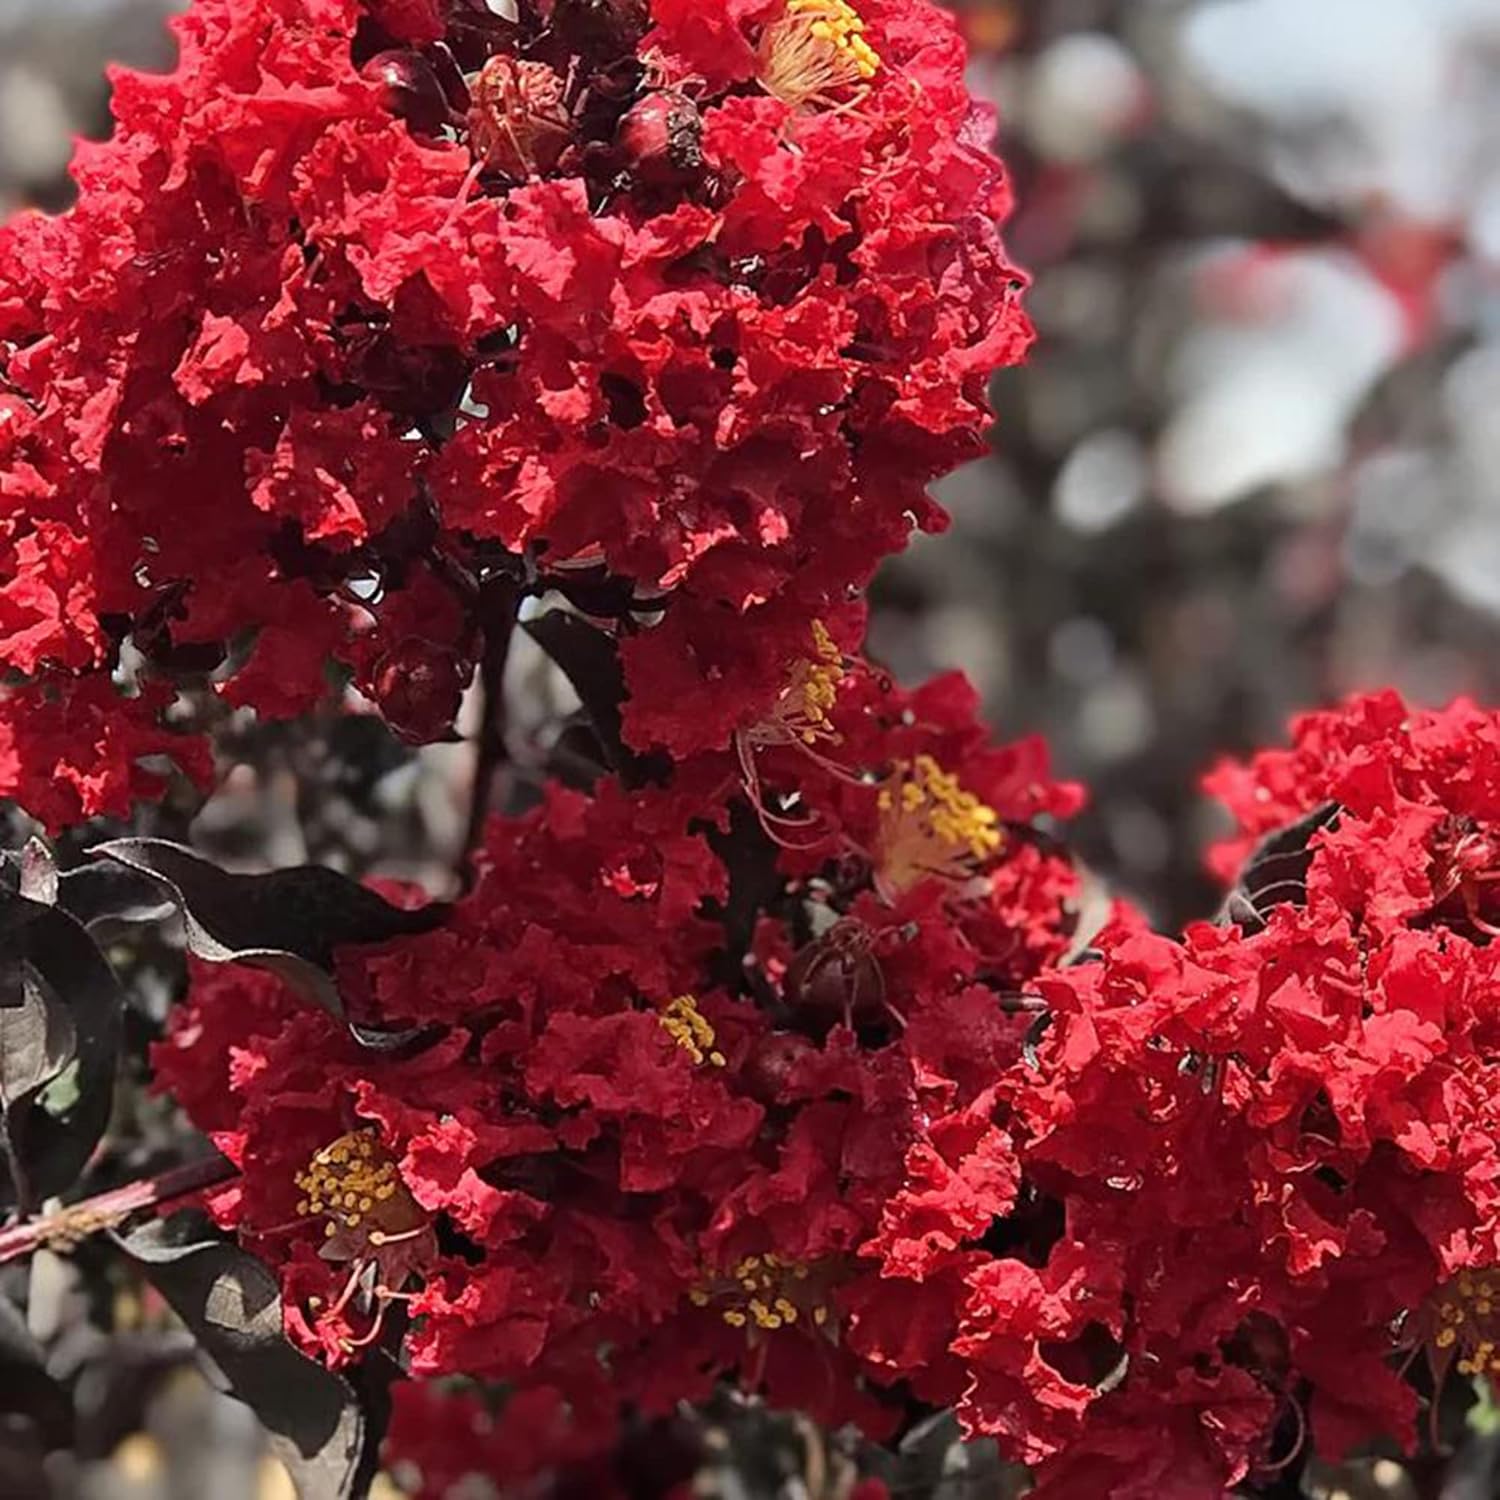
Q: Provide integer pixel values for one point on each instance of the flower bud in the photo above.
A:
(410, 88)
(418, 686)
(773, 1064)
(662, 138)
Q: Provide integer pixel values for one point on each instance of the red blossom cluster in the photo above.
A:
(1157, 1216)
(660, 1138)
(674, 308)
(1273, 1143)
(783, 1052)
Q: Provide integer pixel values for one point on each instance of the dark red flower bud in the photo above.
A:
(662, 138)
(773, 1063)
(837, 977)
(410, 87)
(418, 685)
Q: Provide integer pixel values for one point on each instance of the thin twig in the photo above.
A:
(69, 1226)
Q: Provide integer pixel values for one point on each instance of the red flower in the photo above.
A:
(636, 1152)
(72, 749)
(400, 288)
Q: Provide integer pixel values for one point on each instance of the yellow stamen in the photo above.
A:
(353, 1183)
(931, 826)
(691, 1030)
(816, 47)
(805, 703)
(1464, 1319)
(764, 1293)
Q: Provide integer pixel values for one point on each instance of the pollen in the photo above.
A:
(930, 825)
(804, 707)
(1463, 1318)
(812, 690)
(691, 1030)
(815, 48)
(764, 1293)
(354, 1185)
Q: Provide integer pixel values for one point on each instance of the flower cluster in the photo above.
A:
(701, 1092)
(674, 309)
(784, 1052)
(1272, 1146)
(788, 1066)
(1157, 1219)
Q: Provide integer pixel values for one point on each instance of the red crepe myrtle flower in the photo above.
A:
(612, 1144)
(702, 302)
(1271, 1153)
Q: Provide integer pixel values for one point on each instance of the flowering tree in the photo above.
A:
(772, 1041)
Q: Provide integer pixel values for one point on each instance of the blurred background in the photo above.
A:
(1252, 465)
(1254, 461)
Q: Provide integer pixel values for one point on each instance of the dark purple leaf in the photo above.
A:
(291, 922)
(231, 1304)
(61, 1005)
(589, 658)
(1276, 870)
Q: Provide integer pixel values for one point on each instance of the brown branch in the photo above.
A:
(70, 1226)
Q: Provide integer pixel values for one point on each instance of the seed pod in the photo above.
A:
(837, 977)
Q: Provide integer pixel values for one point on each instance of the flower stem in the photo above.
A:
(69, 1226)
